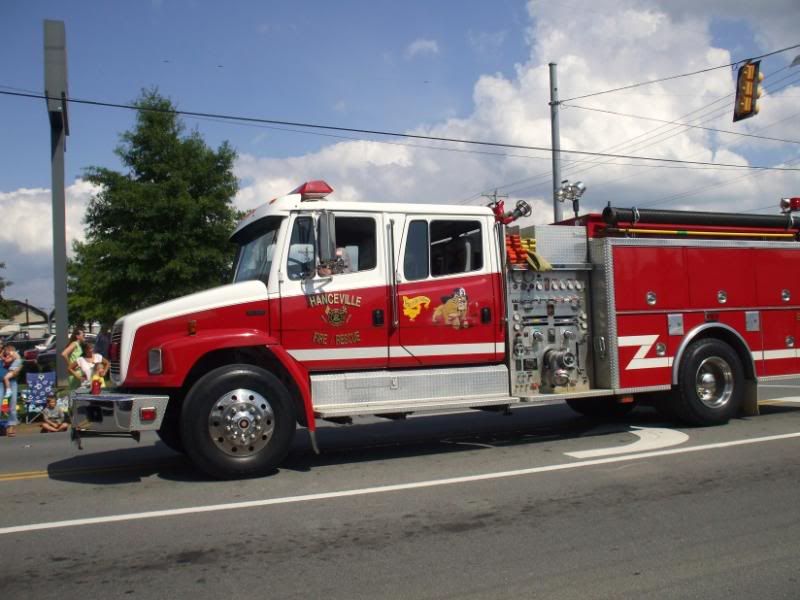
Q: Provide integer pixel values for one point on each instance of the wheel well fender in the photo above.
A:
(292, 376)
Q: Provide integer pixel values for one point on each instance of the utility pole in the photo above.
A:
(55, 89)
(556, 143)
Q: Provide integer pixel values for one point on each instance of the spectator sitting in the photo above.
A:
(53, 417)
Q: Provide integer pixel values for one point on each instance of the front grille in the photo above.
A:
(116, 341)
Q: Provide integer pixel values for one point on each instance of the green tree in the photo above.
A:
(6, 308)
(159, 230)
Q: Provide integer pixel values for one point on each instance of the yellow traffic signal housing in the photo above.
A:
(747, 91)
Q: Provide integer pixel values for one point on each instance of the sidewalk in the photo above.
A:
(25, 429)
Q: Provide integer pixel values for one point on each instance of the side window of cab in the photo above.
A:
(442, 247)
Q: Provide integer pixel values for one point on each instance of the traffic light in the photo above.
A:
(747, 91)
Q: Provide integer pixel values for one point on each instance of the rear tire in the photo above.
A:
(237, 421)
(711, 383)
(600, 408)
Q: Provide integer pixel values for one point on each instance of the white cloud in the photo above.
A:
(421, 46)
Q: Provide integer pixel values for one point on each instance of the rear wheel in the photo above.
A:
(237, 421)
(711, 383)
(600, 408)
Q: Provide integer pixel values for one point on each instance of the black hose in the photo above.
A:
(614, 216)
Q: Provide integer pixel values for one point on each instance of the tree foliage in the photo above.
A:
(159, 230)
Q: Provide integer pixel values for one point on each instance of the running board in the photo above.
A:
(404, 406)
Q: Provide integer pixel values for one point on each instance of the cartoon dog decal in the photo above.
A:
(453, 310)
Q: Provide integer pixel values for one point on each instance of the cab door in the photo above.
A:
(335, 319)
(447, 302)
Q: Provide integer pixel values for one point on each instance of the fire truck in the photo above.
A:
(346, 309)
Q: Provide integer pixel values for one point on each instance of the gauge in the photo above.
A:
(529, 276)
(516, 276)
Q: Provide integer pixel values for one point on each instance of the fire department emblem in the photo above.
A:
(336, 317)
(453, 310)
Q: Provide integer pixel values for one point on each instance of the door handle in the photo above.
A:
(377, 317)
(486, 315)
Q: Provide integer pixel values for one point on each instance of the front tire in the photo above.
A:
(237, 421)
(711, 383)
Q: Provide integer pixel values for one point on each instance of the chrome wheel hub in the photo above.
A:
(241, 422)
(714, 382)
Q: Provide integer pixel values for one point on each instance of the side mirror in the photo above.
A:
(327, 238)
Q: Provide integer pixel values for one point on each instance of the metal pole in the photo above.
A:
(556, 143)
(56, 91)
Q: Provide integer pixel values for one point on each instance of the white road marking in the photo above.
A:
(777, 385)
(787, 400)
(650, 438)
(387, 488)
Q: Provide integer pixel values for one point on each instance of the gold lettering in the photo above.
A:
(320, 338)
(353, 337)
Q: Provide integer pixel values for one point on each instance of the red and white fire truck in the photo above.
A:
(344, 309)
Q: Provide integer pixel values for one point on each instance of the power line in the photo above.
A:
(391, 133)
(655, 120)
(671, 77)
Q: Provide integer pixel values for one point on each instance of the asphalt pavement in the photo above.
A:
(540, 504)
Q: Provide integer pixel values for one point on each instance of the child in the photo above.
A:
(53, 417)
(98, 377)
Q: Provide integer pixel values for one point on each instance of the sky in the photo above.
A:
(464, 69)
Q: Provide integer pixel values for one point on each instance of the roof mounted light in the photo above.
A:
(313, 190)
(789, 205)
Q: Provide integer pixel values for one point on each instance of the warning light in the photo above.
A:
(747, 91)
(313, 190)
(147, 414)
(789, 205)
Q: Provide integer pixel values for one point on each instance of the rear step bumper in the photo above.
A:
(112, 414)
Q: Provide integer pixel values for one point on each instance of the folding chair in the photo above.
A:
(40, 385)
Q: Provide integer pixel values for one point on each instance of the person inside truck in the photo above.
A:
(342, 264)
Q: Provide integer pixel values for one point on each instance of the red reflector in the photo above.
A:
(147, 414)
(313, 189)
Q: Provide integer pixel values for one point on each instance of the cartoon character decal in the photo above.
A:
(453, 310)
(413, 306)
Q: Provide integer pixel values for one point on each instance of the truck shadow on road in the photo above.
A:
(369, 440)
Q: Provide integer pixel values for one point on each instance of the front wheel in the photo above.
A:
(237, 421)
(711, 383)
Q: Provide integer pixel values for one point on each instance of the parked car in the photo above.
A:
(24, 340)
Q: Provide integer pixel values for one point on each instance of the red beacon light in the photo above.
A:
(313, 190)
(789, 205)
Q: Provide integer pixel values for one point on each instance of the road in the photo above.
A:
(540, 504)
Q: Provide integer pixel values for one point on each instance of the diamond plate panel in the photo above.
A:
(366, 387)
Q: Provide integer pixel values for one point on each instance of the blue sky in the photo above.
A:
(462, 69)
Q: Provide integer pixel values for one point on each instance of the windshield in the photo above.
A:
(256, 249)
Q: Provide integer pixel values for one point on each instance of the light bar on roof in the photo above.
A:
(313, 190)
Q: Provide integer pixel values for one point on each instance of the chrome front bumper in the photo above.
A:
(112, 413)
